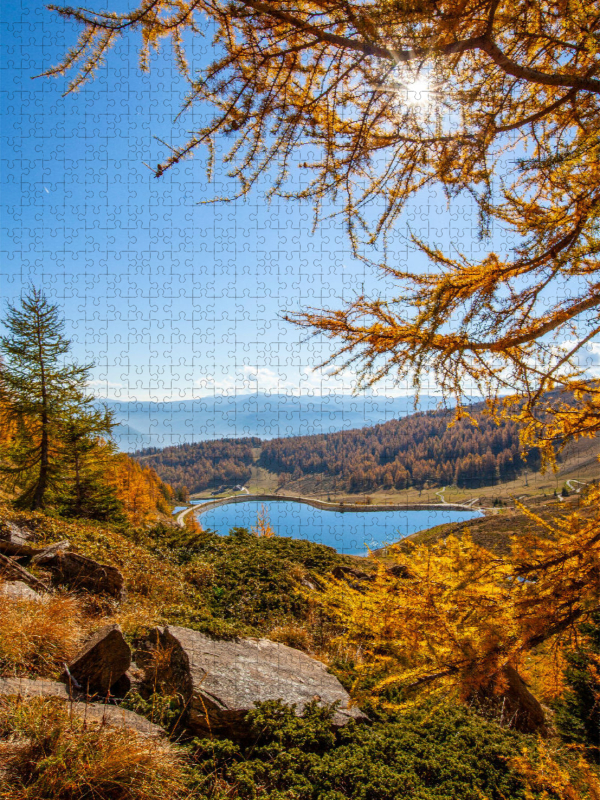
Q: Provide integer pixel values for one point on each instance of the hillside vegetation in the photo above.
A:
(203, 465)
(399, 454)
(420, 448)
(239, 585)
(471, 662)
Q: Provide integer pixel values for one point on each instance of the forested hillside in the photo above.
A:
(202, 465)
(420, 448)
(406, 452)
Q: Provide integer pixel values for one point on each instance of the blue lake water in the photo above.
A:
(350, 532)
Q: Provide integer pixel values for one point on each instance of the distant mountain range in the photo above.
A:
(411, 450)
(149, 424)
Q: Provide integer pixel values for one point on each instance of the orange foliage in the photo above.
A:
(7, 427)
(263, 528)
(454, 616)
(192, 523)
(139, 488)
(389, 99)
(550, 775)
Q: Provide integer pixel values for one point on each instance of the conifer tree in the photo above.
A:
(40, 389)
(84, 491)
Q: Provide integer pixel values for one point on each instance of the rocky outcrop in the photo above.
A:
(47, 552)
(15, 540)
(400, 571)
(33, 687)
(71, 569)
(80, 572)
(220, 681)
(116, 717)
(18, 590)
(12, 571)
(109, 715)
(101, 663)
(350, 574)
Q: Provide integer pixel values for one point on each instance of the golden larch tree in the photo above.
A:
(380, 100)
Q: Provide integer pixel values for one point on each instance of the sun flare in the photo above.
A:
(416, 93)
(412, 90)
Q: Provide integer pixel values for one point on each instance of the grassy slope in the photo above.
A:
(494, 532)
(242, 585)
(223, 586)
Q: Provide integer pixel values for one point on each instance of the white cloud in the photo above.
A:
(587, 357)
(283, 380)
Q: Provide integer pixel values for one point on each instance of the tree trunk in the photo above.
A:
(77, 485)
(42, 482)
(515, 705)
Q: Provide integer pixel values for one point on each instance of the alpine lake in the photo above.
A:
(351, 532)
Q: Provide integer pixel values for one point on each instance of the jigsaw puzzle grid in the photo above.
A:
(179, 302)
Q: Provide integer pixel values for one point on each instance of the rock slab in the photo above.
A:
(101, 663)
(220, 681)
(12, 571)
(41, 555)
(18, 590)
(112, 716)
(81, 572)
(16, 541)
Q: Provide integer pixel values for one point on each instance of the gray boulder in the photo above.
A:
(110, 715)
(116, 717)
(101, 663)
(220, 681)
(15, 540)
(47, 552)
(80, 572)
(18, 590)
(33, 687)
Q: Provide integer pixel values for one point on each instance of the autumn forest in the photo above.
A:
(421, 448)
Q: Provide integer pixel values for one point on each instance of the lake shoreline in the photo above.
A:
(322, 504)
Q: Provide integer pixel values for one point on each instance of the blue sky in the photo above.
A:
(171, 299)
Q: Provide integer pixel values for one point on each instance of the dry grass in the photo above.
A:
(156, 589)
(37, 636)
(293, 636)
(47, 755)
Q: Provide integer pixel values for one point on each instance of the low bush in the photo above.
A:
(260, 581)
(429, 754)
(164, 710)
